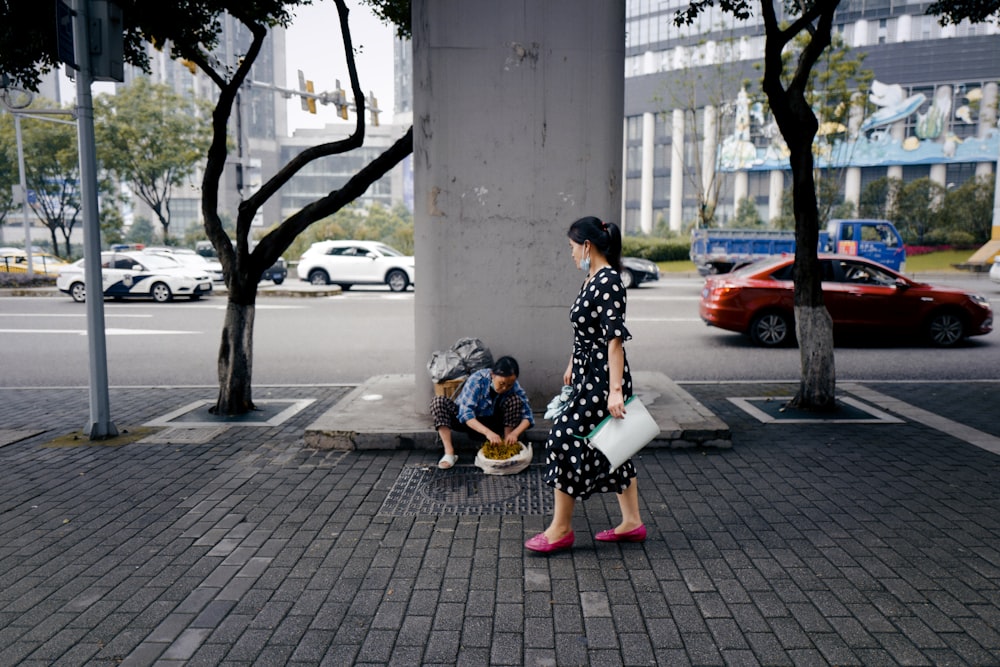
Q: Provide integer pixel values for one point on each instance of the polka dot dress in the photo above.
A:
(575, 468)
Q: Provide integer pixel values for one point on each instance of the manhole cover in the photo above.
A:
(466, 490)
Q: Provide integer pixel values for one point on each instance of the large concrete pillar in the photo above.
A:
(852, 187)
(646, 199)
(516, 117)
(677, 171)
(988, 121)
(776, 188)
(741, 188)
(709, 148)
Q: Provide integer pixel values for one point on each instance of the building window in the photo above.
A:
(661, 188)
(634, 128)
(633, 162)
(662, 156)
(957, 174)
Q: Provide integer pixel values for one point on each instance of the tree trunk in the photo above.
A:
(813, 324)
(236, 353)
(817, 383)
(798, 126)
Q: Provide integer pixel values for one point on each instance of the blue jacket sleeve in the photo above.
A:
(526, 406)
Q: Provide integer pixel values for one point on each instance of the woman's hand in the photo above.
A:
(493, 437)
(616, 403)
(568, 375)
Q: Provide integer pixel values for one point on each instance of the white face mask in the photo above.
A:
(585, 262)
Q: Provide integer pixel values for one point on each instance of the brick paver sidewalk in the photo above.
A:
(804, 544)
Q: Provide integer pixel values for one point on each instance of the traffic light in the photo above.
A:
(340, 101)
(107, 41)
(373, 108)
(308, 102)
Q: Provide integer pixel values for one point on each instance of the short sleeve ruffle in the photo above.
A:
(609, 302)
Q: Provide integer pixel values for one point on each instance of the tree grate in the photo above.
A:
(466, 490)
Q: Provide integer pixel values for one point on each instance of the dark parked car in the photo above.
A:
(862, 297)
(276, 273)
(636, 271)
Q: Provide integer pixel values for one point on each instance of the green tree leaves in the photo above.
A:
(152, 139)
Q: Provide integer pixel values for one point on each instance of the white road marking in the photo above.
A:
(107, 332)
(663, 298)
(77, 315)
(662, 319)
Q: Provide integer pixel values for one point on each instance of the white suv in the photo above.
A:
(348, 263)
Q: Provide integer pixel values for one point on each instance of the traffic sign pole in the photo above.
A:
(100, 426)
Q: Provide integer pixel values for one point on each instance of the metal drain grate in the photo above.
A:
(467, 491)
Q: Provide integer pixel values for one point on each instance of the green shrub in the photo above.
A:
(21, 280)
(655, 249)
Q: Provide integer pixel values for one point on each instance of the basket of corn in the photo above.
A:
(503, 458)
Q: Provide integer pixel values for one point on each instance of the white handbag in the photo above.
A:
(620, 439)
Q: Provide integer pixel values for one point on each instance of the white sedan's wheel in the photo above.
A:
(78, 291)
(161, 293)
(397, 280)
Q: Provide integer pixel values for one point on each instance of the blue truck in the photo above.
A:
(722, 250)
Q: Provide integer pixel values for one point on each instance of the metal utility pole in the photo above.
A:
(99, 426)
(23, 194)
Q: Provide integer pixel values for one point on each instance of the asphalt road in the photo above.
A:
(365, 332)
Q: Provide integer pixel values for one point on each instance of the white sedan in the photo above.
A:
(348, 263)
(191, 259)
(137, 274)
(995, 270)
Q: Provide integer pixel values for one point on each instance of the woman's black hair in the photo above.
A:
(506, 366)
(605, 236)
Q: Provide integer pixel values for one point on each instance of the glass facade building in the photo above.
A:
(695, 117)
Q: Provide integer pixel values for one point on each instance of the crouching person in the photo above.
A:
(490, 403)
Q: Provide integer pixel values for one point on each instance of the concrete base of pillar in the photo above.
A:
(982, 259)
(380, 414)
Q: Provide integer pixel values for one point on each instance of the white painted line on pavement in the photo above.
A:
(745, 403)
(970, 435)
(107, 332)
(294, 407)
(78, 315)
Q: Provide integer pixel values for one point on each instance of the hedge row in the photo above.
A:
(21, 280)
(656, 250)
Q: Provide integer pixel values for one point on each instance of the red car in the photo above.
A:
(861, 296)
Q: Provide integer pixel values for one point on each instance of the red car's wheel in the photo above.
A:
(772, 329)
(945, 329)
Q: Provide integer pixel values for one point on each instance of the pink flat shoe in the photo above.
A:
(541, 544)
(609, 535)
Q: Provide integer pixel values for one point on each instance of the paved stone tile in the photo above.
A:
(805, 544)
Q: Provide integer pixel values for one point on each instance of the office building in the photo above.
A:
(931, 112)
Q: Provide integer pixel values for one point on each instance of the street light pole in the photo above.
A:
(23, 186)
(100, 425)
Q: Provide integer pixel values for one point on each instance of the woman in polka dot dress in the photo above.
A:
(599, 375)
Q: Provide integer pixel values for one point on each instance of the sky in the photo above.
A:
(313, 43)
